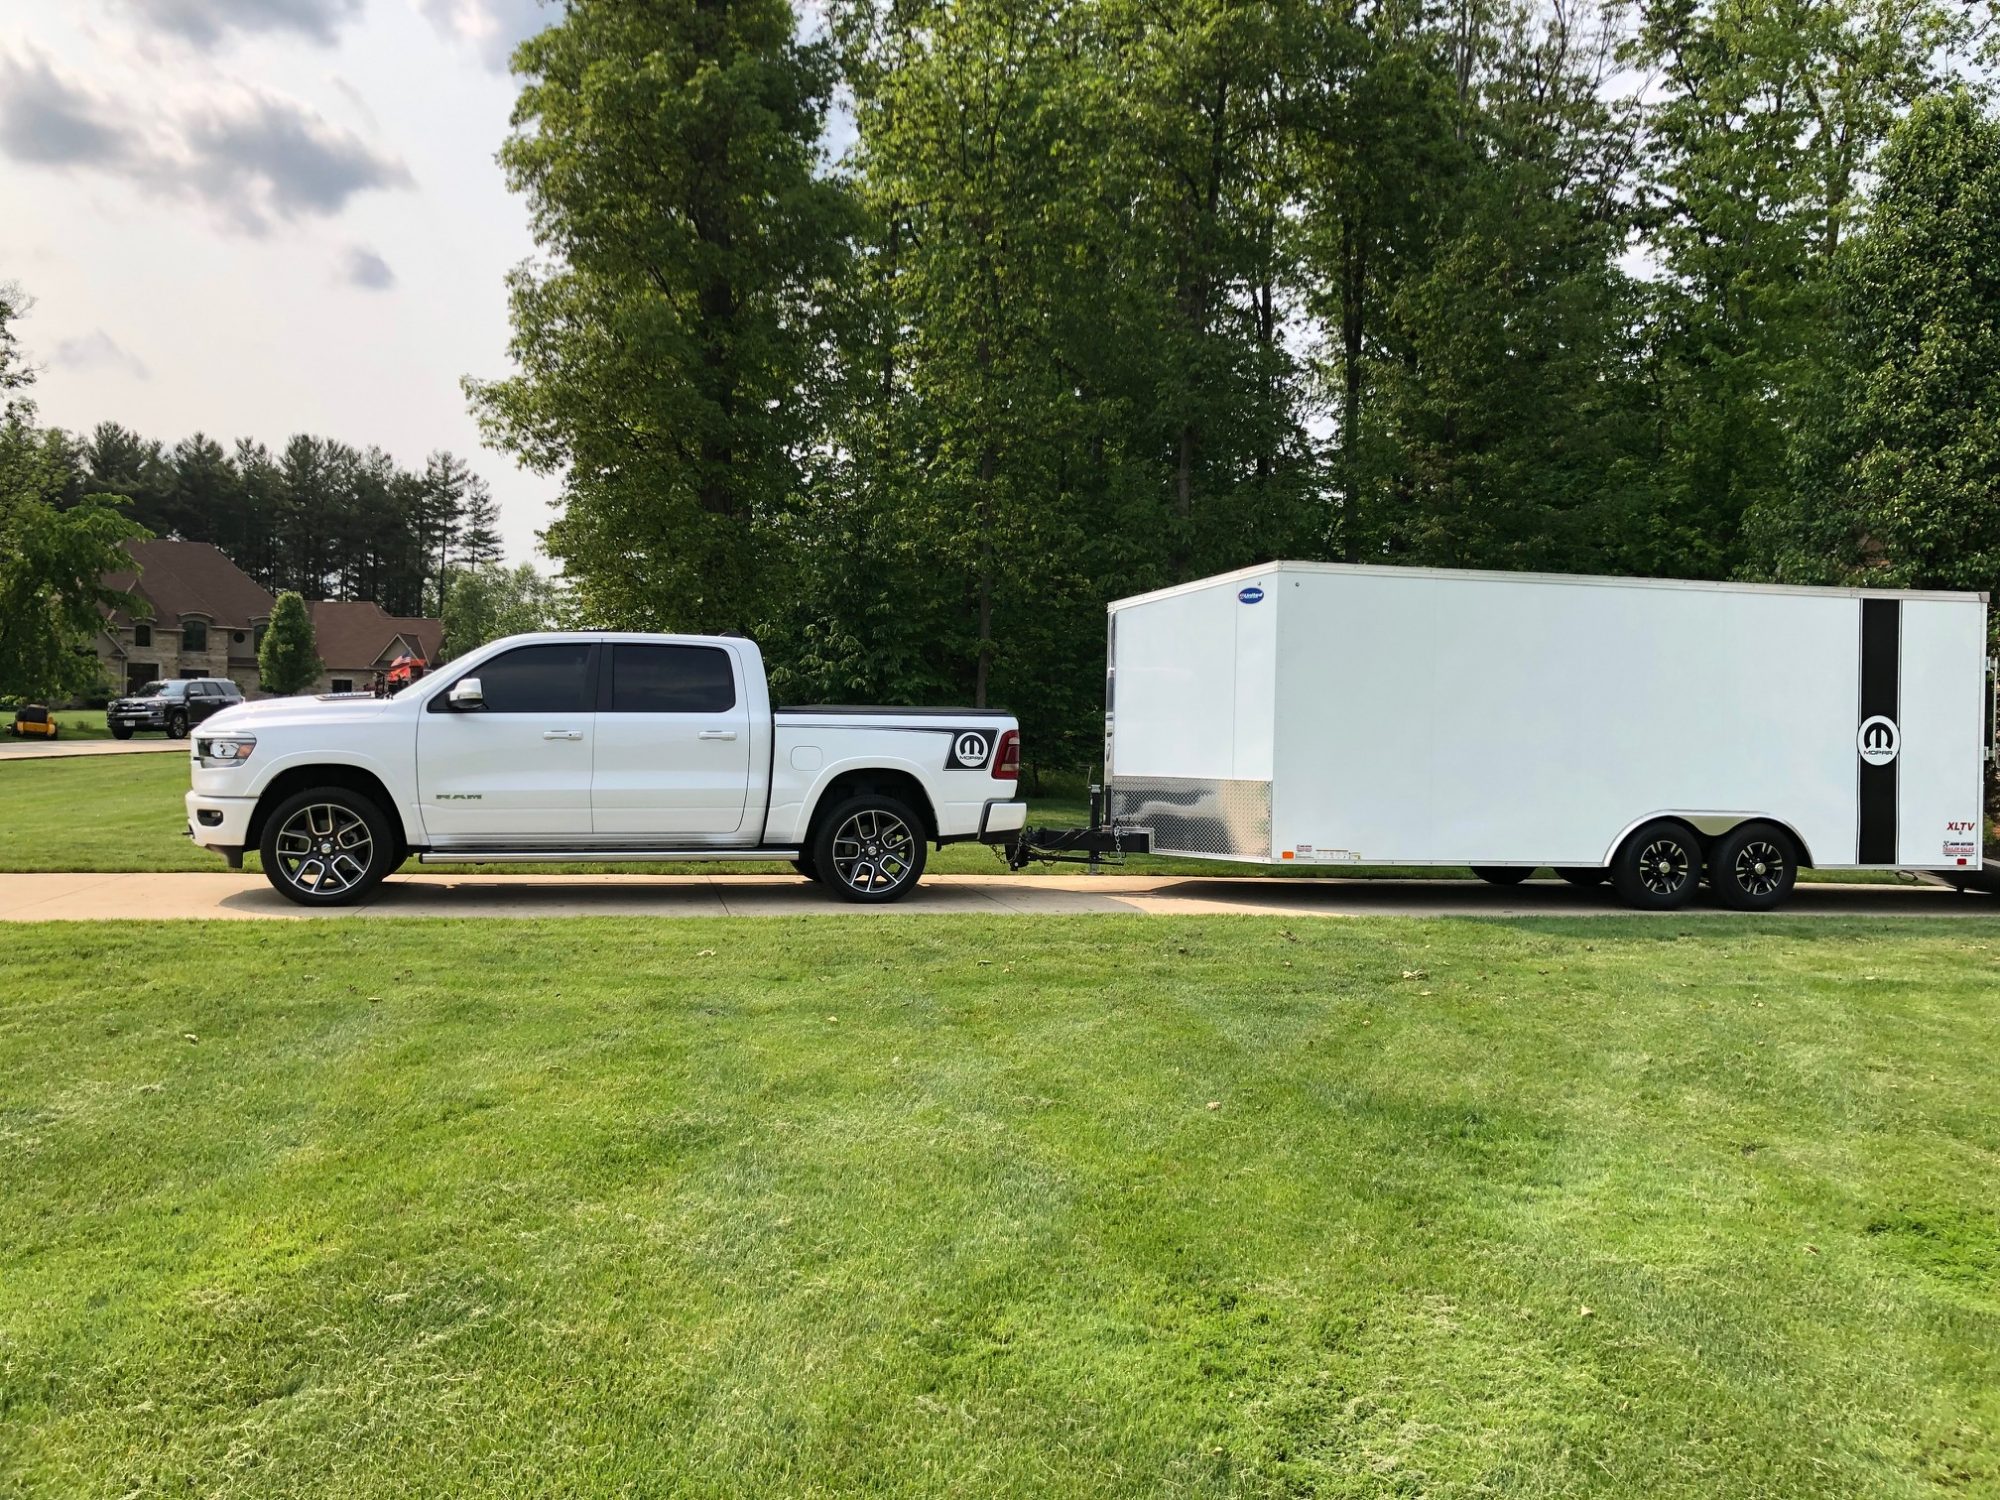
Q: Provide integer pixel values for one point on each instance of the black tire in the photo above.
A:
(805, 866)
(1583, 875)
(1753, 867)
(1502, 874)
(1659, 867)
(336, 822)
(869, 848)
(121, 731)
(177, 726)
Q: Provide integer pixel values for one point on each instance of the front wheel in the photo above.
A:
(1754, 868)
(1659, 867)
(121, 731)
(326, 847)
(177, 727)
(870, 848)
(1502, 874)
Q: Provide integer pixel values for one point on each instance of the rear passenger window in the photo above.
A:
(671, 680)
(552, 679)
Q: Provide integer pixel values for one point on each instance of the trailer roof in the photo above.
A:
(1584, 580)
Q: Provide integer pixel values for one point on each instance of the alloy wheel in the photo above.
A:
(872, 851)
(1759, 868)
(1664, 866)
(325, 849)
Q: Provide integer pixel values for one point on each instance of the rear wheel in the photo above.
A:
(1502, 874)
(121, 731)
(1754, 867)
(1659, 867)
(1584, 875)
(326, 847)
(870, 848)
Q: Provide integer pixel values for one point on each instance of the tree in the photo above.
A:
(484, 604)
(288, 659)
(479, 544)
(669, 349)
(53, 558)
(1896, 476)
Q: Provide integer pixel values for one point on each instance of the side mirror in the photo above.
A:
(465, 694)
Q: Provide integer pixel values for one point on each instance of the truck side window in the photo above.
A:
(552, 679)
(671, 680)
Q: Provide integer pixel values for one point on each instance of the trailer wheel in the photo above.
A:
(870, 848)
(1659, 867)
(1583, 875)
(1753, 867)
(1502, 874)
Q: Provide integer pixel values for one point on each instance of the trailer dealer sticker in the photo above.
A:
(1959, 842)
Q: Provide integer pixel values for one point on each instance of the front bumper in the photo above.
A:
(219, 823)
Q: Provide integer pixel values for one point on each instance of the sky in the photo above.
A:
(252, 218)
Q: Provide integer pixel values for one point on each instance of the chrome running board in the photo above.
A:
(519, 856)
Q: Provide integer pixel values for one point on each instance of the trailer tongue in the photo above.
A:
(1096, 845)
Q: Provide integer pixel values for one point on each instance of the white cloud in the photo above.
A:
(98, 351)
(207, 24)
(362, 267)
(251, 156)
(492, 29)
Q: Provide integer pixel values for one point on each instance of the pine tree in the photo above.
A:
(288, 659)
(479, 544)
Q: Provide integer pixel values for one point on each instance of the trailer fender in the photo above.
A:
(1710, 826)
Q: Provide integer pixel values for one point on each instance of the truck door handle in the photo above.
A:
(717, 734)
(562, 734)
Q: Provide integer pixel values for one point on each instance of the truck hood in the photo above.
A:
(282, 713)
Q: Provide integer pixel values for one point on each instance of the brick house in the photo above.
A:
(208, 618)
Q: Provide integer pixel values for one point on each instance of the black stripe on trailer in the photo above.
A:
(1881, 692)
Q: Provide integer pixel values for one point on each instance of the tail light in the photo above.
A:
(1007, 759)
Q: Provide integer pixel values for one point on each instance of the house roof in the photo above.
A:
(360, 636)
(190, 578)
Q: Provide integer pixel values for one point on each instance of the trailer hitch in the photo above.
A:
(1096, 845)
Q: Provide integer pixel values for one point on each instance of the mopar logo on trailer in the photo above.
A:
(1251, 595)
(1877, 740)
(969, 749)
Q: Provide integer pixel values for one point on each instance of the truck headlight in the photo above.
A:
(225, 750)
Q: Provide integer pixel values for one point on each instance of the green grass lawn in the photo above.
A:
(132, 819)
(1000, 1207)
(71, 724)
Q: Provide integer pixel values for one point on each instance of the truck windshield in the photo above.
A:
(151, 690)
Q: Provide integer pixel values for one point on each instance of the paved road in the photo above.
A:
(25, 898)
(61, 749)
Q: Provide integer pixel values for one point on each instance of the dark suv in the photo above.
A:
(171, 706)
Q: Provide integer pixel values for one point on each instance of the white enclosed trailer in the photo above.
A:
(1645, 731)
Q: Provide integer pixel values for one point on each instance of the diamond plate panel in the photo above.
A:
(1192, 816)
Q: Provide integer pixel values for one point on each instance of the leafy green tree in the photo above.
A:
(1897, 471)
(53, 558)
(1768, 118)
(288, 658)
(484, 604)
(670, 346)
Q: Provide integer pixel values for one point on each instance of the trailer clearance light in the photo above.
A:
(1007, 759)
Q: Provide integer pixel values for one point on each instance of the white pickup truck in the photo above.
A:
(598, 746)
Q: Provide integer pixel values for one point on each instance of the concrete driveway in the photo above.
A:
(61, 749)
(28, 898)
